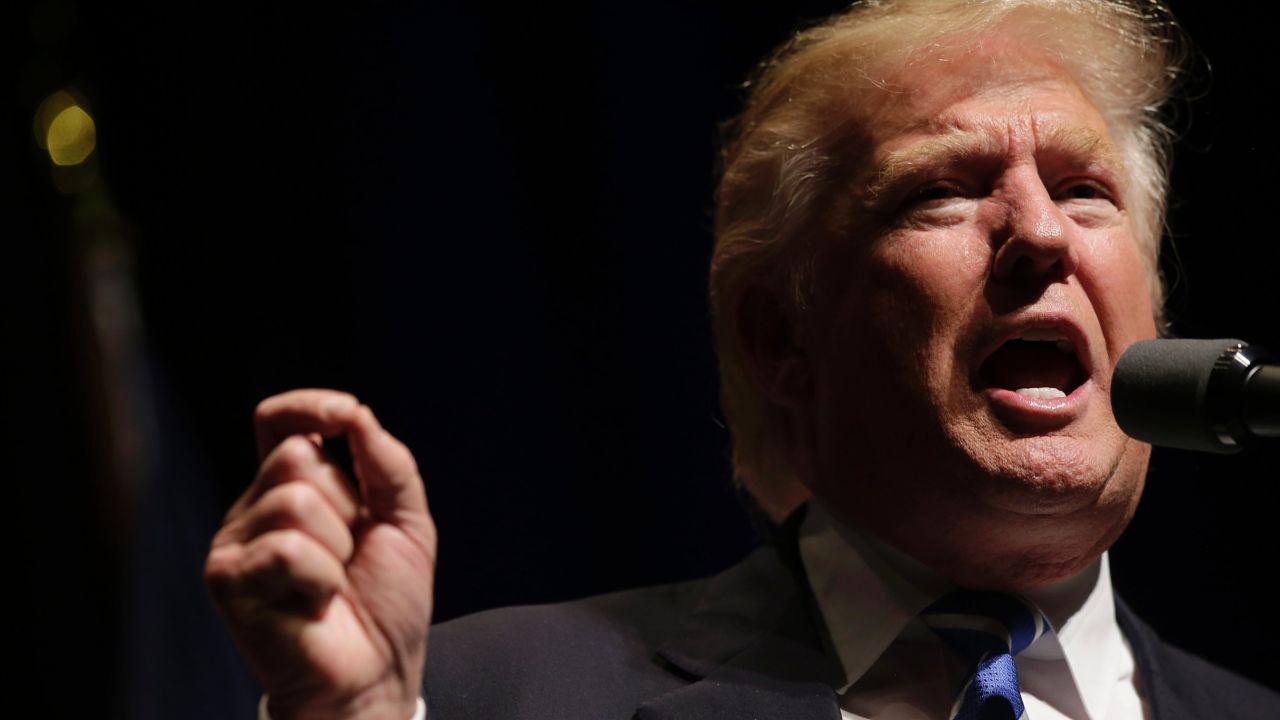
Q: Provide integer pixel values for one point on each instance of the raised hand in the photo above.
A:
(328, 594)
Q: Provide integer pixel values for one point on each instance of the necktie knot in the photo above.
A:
(987, 629)
(972, 621)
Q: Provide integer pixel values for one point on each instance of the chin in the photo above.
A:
(1046, 475)
(1048, 507)
(1031, 571)
(1042, 472)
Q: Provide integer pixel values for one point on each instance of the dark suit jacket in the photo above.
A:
(747, 643)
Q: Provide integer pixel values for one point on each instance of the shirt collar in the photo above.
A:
(869, 594)
(1082, 611)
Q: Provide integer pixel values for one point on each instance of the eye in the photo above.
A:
(932, 201)
(937, 191)
(1085, 190)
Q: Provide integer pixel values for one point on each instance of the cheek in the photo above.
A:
(890, 313)
(1120, 293)
(895, 327)
(929, 283)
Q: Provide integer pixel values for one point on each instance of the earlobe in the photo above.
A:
(772, 353)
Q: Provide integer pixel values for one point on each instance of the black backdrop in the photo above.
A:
(492, 224)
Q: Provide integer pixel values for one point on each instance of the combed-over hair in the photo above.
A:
(782, 162)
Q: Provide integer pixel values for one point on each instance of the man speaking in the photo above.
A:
(937, 230)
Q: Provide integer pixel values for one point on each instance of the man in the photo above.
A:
(936, 233)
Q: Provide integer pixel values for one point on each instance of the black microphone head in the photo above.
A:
(1162, 392)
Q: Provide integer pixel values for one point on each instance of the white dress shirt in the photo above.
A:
(896, 668)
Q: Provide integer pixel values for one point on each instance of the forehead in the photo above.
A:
(996, 98)
(1000, 113)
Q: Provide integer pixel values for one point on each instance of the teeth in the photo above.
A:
(1042, 393)
(1042, 334)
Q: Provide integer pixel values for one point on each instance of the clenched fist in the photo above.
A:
(328, 593)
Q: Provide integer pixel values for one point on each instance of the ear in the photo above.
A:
(775, 360)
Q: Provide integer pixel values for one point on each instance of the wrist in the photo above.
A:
(363, 708)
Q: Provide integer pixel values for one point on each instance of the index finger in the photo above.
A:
(302, 412)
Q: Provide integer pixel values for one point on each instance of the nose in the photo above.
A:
(1035, 240)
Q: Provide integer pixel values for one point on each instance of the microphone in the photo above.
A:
(1206, 395)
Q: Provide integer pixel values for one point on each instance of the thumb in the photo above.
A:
(388, 474)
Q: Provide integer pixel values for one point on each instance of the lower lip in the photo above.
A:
(1032, 413)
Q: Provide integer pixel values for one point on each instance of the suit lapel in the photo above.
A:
(731, 695)
(1165, 702)
(773, 677)
(754, 646)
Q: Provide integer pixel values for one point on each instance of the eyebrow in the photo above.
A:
(957, 145)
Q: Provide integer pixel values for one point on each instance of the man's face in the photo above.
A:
(965, 327)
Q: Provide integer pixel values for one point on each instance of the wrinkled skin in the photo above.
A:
(328, 593)
(1020, 218)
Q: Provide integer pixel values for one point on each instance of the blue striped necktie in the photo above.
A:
(987, 630)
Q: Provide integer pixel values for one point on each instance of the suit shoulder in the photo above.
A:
(1203, 684)
(585, 658)
(640, 617)
(1178, 683)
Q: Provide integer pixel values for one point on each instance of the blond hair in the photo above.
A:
(782, 158)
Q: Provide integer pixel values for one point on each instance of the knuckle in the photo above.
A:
(288, 460)
(220, 568)
(364, 416)
(286, 549)
(339, 396)
(334, 404)
(236, 510)
(295, 452)
(223, 538)
(297, 500)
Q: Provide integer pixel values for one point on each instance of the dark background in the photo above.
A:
(493, 225)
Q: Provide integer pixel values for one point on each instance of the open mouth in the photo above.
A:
(1041, 364)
